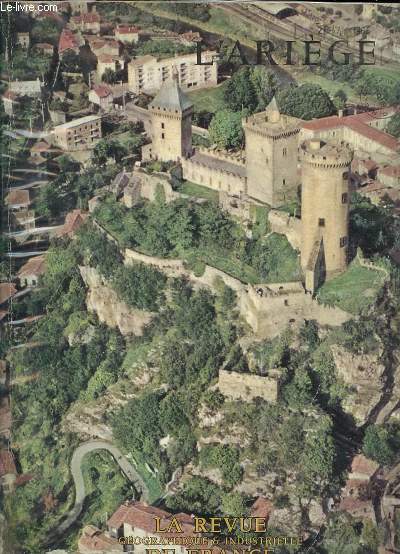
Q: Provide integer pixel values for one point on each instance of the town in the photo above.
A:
(199, 293)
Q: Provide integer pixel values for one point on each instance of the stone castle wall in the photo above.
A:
(247, 386)
(213, 177)
(284, 224)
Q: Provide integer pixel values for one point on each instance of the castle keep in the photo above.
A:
(269, 174)
(325, 171)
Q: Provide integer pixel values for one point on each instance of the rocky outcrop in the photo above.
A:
(284, 224)
(364, 373)
(103, 300)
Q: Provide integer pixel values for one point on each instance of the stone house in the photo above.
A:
(69, 42)
(18, 199)
(73, 221)
(127, 33)
(86, 22)
(106, 61)
(31, 271)
(102, 96)
(23, 40)
(10, 101)
(44, 47)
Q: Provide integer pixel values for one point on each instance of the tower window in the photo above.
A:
(343, 242)
(321, 222)
(344, 198)
(162, 135)
(283, 181)
(162, 126)
(266, 160)
(284, 152)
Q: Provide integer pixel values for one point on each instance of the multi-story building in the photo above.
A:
(69, 42)
(102, 96)
(78, 134)
(148, 73)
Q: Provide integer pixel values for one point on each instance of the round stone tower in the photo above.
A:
(324, 210)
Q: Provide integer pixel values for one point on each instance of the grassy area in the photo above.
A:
(155, 488)
(330, 86)
(354, 290)
(208, 99)
(259, 215)
(192, 189)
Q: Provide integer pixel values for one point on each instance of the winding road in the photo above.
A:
(76, 471)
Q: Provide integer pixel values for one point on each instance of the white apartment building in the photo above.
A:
(147, 73)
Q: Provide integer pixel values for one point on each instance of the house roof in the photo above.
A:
(7, 290)
(7, 464)
(107, 58)
(34, 266)
(94, 540)
(73, 221)
(171, 97)
(102, 91)
(262, 507)
(91, 17)
(10, 95)
(361, 464)
(30, 88)
(127, 29)
(390, 171)
(359, 124)
(67, 41)
(140, 515)
(79, 121)
(43, 46)
(143, 59)
(18, 197)
(40, 146)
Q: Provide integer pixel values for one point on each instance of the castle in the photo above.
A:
(268, 175)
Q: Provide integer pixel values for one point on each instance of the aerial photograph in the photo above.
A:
(199, 277)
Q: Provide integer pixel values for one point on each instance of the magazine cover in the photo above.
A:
(199, 277)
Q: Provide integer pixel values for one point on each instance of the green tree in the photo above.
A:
(393, 127)
(340, 99)
(226, 129)
(265, 85)
(380, 444)
(109, 76)
(240, 92)
(307, 101)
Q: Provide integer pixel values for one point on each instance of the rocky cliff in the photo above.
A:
(103, 300)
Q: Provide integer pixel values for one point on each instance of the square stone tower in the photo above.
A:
(171, 116)
(324, 210)
(271, 155)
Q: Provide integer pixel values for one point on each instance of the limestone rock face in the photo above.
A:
(365, 375)
(103, 300)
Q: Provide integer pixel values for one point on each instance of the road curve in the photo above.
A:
(76, 471)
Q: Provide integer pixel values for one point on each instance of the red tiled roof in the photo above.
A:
(93, 539)
(106, 58)
(73, 221)
(44, 46)
(391, 170)
(7, 290)
(40, 146)
(361, 464)
(262, 507)
(357, 123)
(356, 506)
(18, 197)
(34, 266)
(10, 95)
(92, 17)
(7, 464)
(102, 91)
(127, 29)
(67, 41)
(140, 515)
